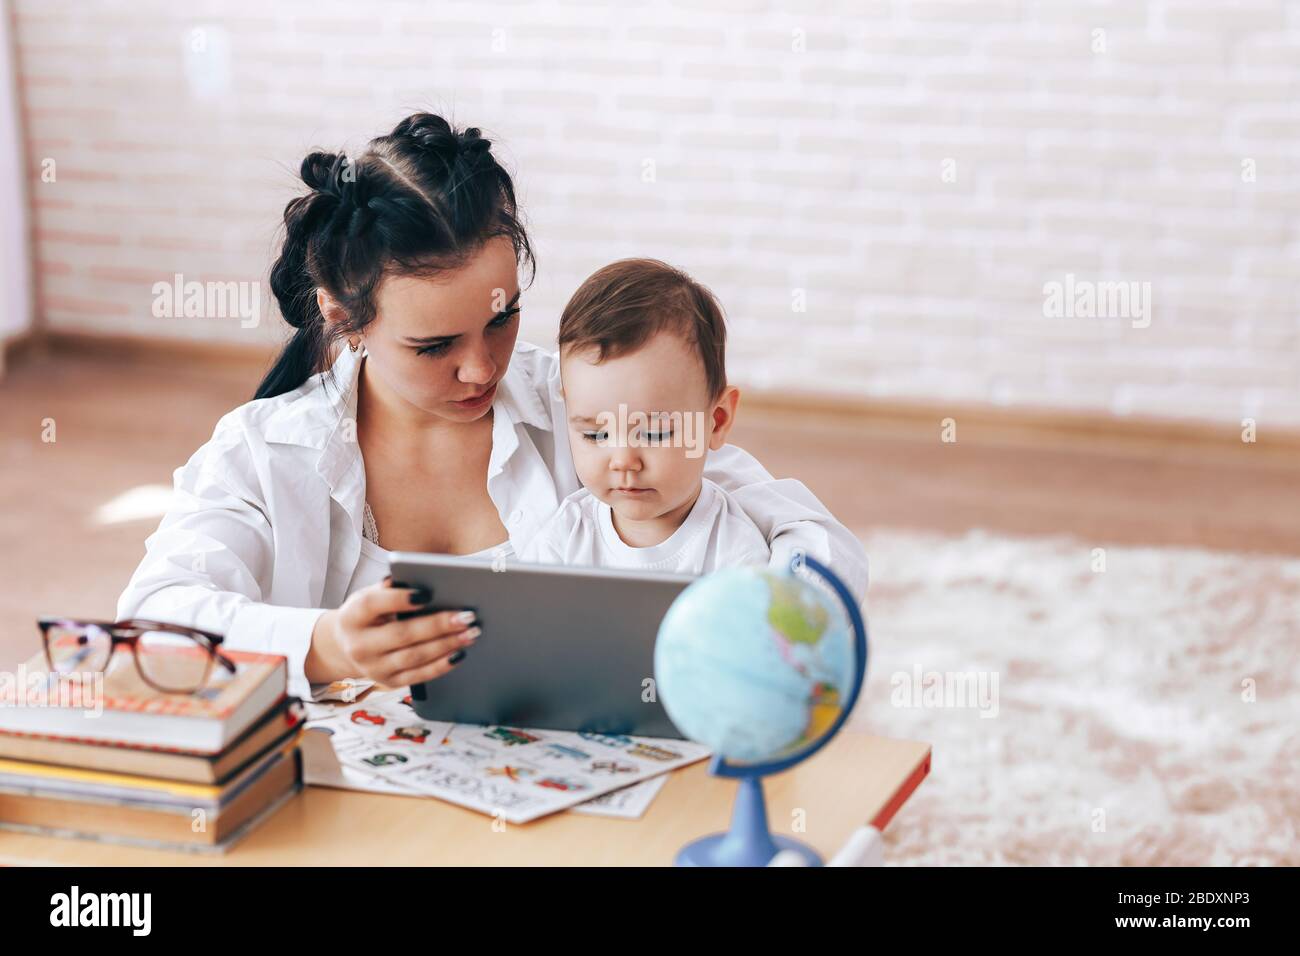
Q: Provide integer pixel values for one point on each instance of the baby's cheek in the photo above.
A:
(678, 466)
(587, 461)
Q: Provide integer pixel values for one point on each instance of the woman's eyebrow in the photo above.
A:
(437, 339)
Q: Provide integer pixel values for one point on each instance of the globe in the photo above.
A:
(760, 666)
(754, 664)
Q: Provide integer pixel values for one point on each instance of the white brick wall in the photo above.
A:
(796, 146)
(15, 265)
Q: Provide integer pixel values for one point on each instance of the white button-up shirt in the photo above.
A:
(264, 530)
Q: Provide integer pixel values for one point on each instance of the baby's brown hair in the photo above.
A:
(620, 307)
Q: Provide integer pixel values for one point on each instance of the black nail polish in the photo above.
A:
(421, 596)
(457, 657)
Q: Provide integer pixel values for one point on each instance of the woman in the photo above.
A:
(408, 261)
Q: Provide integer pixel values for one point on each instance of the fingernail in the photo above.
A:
(469, 636)
(456, 658)
(421, 596)
(464, 617)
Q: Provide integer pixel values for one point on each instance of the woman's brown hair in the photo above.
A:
(421, 199)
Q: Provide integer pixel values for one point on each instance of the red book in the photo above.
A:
(118, 707)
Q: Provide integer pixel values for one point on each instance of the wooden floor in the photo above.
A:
(122, 422)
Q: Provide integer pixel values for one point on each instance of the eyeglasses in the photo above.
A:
(170, 658)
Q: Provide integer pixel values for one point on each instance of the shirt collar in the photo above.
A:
(340, 461)
(312, 414)
(524, 399)
(518, 399)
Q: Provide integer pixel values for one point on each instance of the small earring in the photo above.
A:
(353, 346)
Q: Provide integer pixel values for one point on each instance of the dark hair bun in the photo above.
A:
(324, 171)
(423, 127)
(435, 137)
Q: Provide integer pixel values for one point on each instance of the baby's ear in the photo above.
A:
(724, 416)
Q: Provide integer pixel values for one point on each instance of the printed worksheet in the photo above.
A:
(629, 803)
(507, 772)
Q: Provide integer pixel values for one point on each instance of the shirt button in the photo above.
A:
(516, 516)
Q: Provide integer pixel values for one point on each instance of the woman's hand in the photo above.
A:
(364, 638)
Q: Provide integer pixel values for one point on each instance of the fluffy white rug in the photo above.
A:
(1144, 714)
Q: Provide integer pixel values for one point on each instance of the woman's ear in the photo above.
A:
(724, 416)
(330, 308)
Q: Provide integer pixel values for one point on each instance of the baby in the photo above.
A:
(645, 388)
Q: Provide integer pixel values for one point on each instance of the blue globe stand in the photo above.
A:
(750, 842)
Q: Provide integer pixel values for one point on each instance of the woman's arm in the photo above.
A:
(212, 561)
(208, 562)
(790, 516)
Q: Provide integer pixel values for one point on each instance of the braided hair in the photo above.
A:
(422, 199)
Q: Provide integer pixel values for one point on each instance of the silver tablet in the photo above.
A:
(563, 648)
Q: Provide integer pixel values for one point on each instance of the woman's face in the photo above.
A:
(436, 342)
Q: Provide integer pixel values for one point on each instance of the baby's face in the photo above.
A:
(640, 425)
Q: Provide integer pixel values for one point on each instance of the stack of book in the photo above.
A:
(116, 760)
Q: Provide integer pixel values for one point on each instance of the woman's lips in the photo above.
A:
(477, 402)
